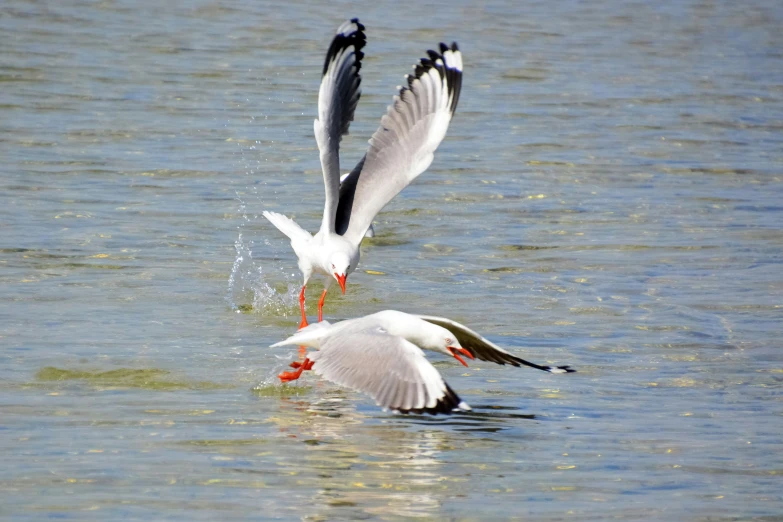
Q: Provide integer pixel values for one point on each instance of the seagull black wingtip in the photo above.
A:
(446, 405)
(355, 38)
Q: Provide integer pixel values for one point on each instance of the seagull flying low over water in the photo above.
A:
(380, 355)
(402, 148)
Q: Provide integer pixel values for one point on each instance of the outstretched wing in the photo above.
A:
(404, 145)
(337, 100)
(388, 368)
(486, 350)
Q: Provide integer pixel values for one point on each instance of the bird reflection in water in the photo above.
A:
(357, 463)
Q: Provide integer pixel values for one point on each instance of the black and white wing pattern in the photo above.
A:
(486, 350)
(391, 370)
(404, 145)
(337, 99)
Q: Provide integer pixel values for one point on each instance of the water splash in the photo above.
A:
(271, 290)
(251, 281)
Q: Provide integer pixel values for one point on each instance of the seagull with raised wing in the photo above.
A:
(402, 148)
(381, 355)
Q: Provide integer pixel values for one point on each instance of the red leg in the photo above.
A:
(301, 306)
(321, 306)
(292, 376)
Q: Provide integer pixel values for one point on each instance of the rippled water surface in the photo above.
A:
(609, 196)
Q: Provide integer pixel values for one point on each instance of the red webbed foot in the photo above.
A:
(292, 376)
(297, 364)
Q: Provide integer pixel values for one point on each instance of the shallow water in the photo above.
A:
(609, 197)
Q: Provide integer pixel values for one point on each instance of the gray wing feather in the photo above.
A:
(391, 370)
(484, 349)
(404, 145)
(337, 99)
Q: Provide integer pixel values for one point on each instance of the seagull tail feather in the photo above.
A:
(308, 336)
(287, 226)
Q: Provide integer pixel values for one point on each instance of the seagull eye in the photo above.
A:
(448, 340)
(332, 266)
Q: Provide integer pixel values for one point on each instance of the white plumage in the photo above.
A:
(401, 149)
(380, 354)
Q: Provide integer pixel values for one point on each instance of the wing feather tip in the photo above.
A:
(347, 36)
(447, 404)
(448, 63)
(560, 369)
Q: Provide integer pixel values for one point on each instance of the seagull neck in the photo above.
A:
(411, 329)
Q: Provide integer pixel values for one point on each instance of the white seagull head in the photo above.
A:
(340, 267)
(438, 339)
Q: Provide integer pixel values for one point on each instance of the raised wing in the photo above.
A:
(337, 100)
(370, 231)
(486, 350)
(404, 145)
(389, 369)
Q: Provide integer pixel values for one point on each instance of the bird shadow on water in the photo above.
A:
(339, 404)
(482, 418)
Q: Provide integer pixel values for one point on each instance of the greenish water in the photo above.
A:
(608, 197)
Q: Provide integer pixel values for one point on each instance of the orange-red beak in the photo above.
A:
(341, 280)
(463, 351)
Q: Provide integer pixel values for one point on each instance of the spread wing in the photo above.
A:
(388, 368)
(486, 350)
(337, 100)
(404, 145)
